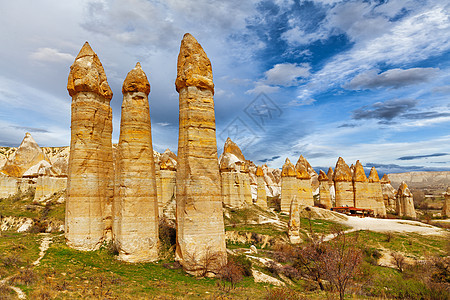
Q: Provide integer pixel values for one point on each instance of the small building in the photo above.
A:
(353, 211)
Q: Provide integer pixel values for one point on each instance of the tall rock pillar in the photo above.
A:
(261, 195)
(376, 193)
(324, 190)
(343, 184)
(289, 186)
(90, 173)
(388, 193)
(304, 187)
(135, 205)
(199, 218)
(446, 207)
(361, 187)
(405, 202)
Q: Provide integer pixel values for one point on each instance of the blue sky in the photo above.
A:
(364, 80)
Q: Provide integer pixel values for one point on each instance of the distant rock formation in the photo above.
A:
(90, 176)
(324, 190)
(375, 193)
(304, 186)
(294, 222)
(419, 180)
(330, 175)
(234, 171)
(135, 206)
(261, 199)
(199, 217)
(343, 184)
(26, 156)
(389, 193)
(166, 179)
(289, 186)
(446, 207)
(405, 203)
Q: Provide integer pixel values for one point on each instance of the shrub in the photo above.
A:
(283, 293)
(372, 255)
(231, 272)
(25, 277)
(243, 262)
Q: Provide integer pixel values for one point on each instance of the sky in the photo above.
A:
(365, 80)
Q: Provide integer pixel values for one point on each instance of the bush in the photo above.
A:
(243, 262)
(283, 294)
(11, 261)
(25, 277)
(231, 272)
(372, 255)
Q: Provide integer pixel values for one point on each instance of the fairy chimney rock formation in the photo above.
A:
(376, 193)
(166, 179)
(289, 186)
(446, 207)
(304, 183)
(389, 193)
(360, 187)
(27, 155)
(199, 218)
(294, 222)
(343, 184)
(261, 198)
(324, 190)
(235, 177)
(405, 203)
(135, 203)
(90, 174)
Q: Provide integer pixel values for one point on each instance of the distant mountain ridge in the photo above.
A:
(418, 180)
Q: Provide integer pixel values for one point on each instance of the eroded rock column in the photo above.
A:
(324, 190)
(289, 186)
(294, 222)
(405, 203)
(446, 206)
(376, 193)
(199, 218)
(343, 184)
(261, 197)
(361, 187)
(388, 193)
(304, 187)
(90, 172)
(135, 204)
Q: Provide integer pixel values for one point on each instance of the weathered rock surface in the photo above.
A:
(361, 187)
(294, 222)
(234, 172)
(389, 193)
(405, 203)
(314, 177)
(8, 185)
(90, 175)
(343, 184)
(27, 155)
(166, 179)
(135, 204)
(261, 199)
(375, 193)
(48, 185)
(289, 186)
(417, 180)
(324, 190)
(446, 207)
(304, 187)
(199, 217)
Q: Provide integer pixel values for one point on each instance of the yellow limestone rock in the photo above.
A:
(294, 222)
(405, 203)
(135, 205)
(324, 190)
(199, 218)
(343, 184)
(27, 155)
(312, 174)
(261, 198)
(234, 172)
(446, 207)
(166, 179)
(289, 186)
(361, 187)
(90, 186)
(389, 193)
(304, 187)
(376, 193)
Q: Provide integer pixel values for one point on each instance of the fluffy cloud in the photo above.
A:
(394, 78)
(51, 55)
(386, 110)
(287, 74)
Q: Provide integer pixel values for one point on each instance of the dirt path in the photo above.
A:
(45, 244)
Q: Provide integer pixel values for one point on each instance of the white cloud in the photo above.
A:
(301, 102)
(263, 88)
(287, 74)
(51, 55)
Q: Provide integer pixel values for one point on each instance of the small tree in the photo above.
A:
(399, 261)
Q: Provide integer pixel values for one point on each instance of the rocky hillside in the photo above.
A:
(421, 180)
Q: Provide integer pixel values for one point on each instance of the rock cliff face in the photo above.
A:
(234, 171)
(375, 193)
(289, 186)
(389, 193)
(261, 199)
(27, 155)
(166, 179)
(446, 207)
(199, 217)
(405, 203)
(135, 205)
(343, 184)
(90, 174)
(324, 190)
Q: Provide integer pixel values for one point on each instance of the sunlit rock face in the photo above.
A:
(405, 203)
(289, 186)
(343, 184)
(234, 172)
(376, 193)
(294, 222)
(199, 217)
(304, 187)
(389, 193)
(261, 199)
(90, 186)
(361, 187)
(446, 207)
(166, 179)
(135, 207)
(324, 190)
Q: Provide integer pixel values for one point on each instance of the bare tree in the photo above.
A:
(398, 260)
